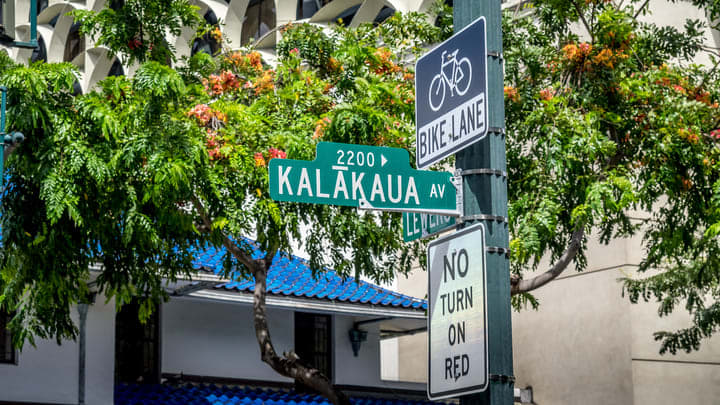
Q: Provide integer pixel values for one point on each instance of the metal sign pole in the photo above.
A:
(485, 199)
(33, 42)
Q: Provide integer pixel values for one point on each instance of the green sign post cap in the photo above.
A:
(368, 177)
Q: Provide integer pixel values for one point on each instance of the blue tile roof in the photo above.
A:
(156, 394)
(291, 276)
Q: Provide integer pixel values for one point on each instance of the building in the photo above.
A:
(205, 334)
(244, 22)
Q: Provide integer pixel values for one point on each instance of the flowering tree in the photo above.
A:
(606, 119)
(139, 174)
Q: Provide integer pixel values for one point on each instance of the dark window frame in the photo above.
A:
(256, 8)
(207, 43)
(7, 355)
(74, 44)
(146, 360)
(315, 350)
(313, 7)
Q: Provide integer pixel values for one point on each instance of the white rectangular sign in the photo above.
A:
(457, 321)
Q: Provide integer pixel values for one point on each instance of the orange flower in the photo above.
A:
(216, 34)
(571, 51)
(605, 57)
(547, 94)
(511, 93)
(320, 127)
(259, 159)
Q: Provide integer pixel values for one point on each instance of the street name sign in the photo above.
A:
(421, 226)
(367, 177)
(457, 321)
(451, 86)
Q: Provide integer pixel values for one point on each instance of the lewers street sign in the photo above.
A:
(367, 177)
(420, 226)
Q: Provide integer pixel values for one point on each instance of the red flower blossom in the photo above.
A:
(276, 153)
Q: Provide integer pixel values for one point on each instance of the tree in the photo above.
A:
(142, 172)
(606, 119)
(134, 177)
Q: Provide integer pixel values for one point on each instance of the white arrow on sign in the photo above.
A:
(382, 160)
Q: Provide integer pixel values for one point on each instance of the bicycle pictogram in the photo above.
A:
(455, 75)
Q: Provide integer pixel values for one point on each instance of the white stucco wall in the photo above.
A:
(218, 340)
(364, 369)
(49, 372)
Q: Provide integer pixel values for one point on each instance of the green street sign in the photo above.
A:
(367, 177)
(420, 226)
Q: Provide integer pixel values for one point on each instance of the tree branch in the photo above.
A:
(639, 10)
(240, 254)
(582, 17)
(518, 286)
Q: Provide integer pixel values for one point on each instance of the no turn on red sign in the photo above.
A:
(457, 320)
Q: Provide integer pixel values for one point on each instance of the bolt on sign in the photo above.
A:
(451, 105)
(457, 320)
(367, 177)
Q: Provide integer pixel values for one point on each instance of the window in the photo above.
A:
(7, 351)
(116, 4)
(116, 69)
(384, 14)
(347, 16)
(137, 346)
(308, 8)
(7, 20)
(75, 44)
(39, 53)
(313, 341)
(207, 43)
(259, 20)
(41, 5)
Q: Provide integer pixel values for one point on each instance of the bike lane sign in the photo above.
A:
(451, 95)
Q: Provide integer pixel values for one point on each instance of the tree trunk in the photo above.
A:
(289, 365)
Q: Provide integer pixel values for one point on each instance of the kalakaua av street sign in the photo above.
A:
(451, 105)
(457, 318)
(367, 177)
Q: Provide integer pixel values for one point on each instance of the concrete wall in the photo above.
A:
(218, 339)
(363, 370)
(49, 372)
(412, 350)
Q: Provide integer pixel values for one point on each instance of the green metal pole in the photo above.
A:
(485, 195)
(3, 104)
